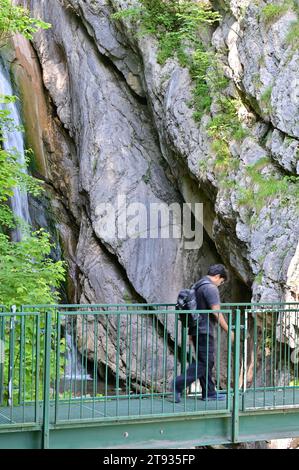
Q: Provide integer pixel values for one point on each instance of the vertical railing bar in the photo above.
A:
(176, 335)
(95, 363)
(117, 364)
(71, 326)
(280, 349)
(163, 362)
(130, 361)
(2, 371)
(152, 362)
(166, 357)
(84, 356)
(196, 346)
(146, 349)
(284, 361)
(65, 356)
(218, 358)
(127, 344)
(47, 366)
(21, 371)
(76, 362)
(254, 356)
(275, 361)
(37, 366)
(57, 365)
(264, 360)
(235, 424)
(271, 358)
(137, 354)
(24, 381)
(245, 351)
(289, 350)
(141, 362)
(185, 359)
(156, 357)
(296, 358)
(106, 366)
(184, 350)
(11, 366)
(23, 363)
(32, 360)
(22, 397)
(207, 359)
(229, 361)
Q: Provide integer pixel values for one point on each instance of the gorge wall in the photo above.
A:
(106, 119)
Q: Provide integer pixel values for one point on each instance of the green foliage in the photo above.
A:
(16, 19)
(276, 11)
(272, 12)
(259, 277)
(266, 98)
(267, 187)
(293, 34)
(224, 127)
(176, 25)
(27, 274)
(294, 383)
(28, 364)
(202, 70)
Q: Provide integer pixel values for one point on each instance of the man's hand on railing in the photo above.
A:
(232, 336)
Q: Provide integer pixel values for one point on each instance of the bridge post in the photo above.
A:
(235, 417)
(47, 366)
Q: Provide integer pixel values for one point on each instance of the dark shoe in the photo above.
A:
(176, 396)
(215, 396)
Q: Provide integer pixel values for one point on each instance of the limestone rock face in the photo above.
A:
(132, 128)
(117, 150)
(120, 124)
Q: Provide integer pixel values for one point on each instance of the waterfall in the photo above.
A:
(74, 369)
(14, 141)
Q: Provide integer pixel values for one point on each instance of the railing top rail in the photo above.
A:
(142, 312)
(272, 310)
(127, 311)
(97, 305)
(137, 305)
(18, 314)
(244, 304)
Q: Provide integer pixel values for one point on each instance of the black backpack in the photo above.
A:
(187, 301)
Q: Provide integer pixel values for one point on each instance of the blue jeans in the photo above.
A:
(200, 369)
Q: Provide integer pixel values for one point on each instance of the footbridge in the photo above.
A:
(98, 376)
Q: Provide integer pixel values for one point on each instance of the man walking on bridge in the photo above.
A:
(202, 335)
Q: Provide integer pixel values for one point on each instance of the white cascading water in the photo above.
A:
(14, 141)
(74, 369)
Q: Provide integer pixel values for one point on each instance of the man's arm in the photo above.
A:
(221, 319)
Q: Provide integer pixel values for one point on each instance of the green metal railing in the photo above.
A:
(83, 363)
(20, 365)
(270, 362)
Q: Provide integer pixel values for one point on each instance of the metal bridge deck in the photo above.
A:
(123, 408)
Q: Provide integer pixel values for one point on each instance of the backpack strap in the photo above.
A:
(199, 284)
